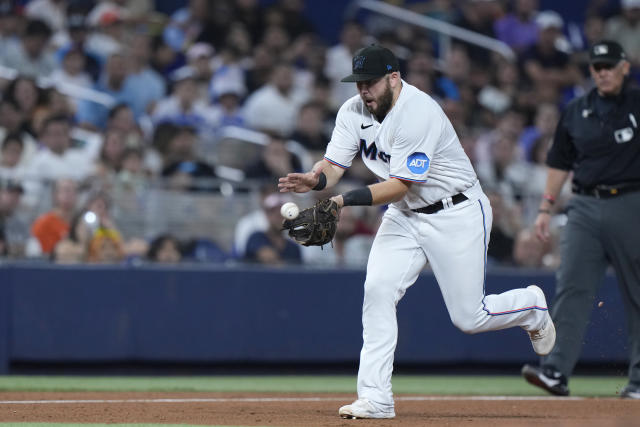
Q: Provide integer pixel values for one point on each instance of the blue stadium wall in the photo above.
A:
(235, 315)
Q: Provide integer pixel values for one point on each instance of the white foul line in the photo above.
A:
(286, 399)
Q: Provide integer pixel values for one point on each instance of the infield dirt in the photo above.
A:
(308, 410)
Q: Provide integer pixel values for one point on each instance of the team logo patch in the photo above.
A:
(418, 163)
(358, 63)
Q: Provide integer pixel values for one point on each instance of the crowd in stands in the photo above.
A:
(104, 103)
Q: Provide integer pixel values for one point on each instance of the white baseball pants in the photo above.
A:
(454, 241)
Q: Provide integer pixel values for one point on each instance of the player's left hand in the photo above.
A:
(299, 182)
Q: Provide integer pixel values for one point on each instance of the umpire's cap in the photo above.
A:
(607, 52)
(372, 62)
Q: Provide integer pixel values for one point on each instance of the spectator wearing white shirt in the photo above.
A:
(275, 105)
(338, 62)
(30, 55)
(56, 158)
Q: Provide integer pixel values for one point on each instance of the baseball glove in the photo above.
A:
(314, 226)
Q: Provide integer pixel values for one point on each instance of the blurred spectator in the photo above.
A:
(74, 248)
(479, 16)
(106, 244)
(73, 70)
(106, 247)
(30, 55)
(529, 251)
(109, 34)
(132, 175)
(275, 105)
(52, 12)
(251, 14)
(121, 119)
(143, 85)
(10, 23)
(518, 28)
(292, 14)
(625, 29)
(338, 63)
(270, 247)
(112, 82)
(11, 154)
(56, 158)
(12, 121)
(544, 126)
(50, 227)
(310, 128)
(183, 106)
(186, 24)
(548, 68)
(165, 249)
(78, 32)
(227, 91)
(201, 64)
(183, 169)
(353, 239)
(259, 71)
(13, 229)
(164, 59)
(110, 158)
(256, 220)
(275, 161)
(24, 92)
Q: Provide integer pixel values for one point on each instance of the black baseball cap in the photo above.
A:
(607, 52)
(372, 62)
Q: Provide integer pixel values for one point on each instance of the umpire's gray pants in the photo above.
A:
(598, 232)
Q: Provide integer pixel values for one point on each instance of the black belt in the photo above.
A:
(436, 207)
(607, 191)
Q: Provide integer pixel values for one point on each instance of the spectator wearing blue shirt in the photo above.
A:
(271, 247)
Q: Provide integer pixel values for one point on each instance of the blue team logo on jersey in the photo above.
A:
(418, 163)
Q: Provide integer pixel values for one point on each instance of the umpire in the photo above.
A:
(598, 139)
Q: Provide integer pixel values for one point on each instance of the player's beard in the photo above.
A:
(383, 103)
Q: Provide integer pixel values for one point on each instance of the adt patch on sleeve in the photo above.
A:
(418, 162)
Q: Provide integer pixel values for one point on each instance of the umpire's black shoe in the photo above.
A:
(630, 391)
(547, 378)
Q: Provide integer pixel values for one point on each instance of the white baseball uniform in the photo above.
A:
(416, 142)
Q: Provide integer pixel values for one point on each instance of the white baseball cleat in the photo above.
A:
(362, 408)
(544, 338)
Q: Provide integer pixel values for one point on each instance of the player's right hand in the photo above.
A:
(299, 182)
(542, 227)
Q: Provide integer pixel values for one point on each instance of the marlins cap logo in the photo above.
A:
(358, 63)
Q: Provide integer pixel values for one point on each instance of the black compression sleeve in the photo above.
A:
(322, 182)
(358, 197)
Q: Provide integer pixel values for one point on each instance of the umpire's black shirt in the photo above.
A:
(599, 139)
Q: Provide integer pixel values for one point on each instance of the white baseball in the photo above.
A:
(289, 210)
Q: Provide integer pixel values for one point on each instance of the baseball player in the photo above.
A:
(437, 213)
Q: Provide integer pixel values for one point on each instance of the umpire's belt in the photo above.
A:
(438, 206)
(607, 191)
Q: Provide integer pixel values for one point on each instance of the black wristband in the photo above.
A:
(322, 182)
(358, 197)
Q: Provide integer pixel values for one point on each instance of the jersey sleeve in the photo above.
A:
(343, 146)
(414, 143)
(562, 153)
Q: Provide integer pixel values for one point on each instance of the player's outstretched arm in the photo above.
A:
(304, 182)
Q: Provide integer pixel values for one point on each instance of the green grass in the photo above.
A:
(430, 385)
